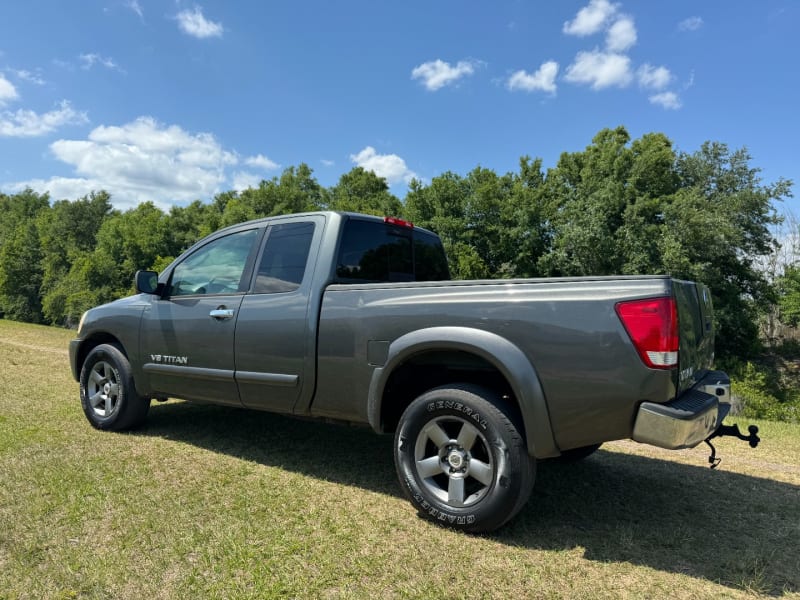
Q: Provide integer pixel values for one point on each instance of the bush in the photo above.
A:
(756, 393)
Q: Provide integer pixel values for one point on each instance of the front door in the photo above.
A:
(187, 339)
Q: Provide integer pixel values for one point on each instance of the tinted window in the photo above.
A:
(216, 268)
(374, 252)
(283, 262)
(429, 260)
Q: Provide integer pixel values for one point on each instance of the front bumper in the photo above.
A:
(688, 419)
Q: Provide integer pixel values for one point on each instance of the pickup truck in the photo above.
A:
(353, 318)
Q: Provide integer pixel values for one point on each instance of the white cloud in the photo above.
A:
(135, 7)
(91, 59)
(691, 24)
(7, 91)
(600, 69)
(139, 161)
(389, 166)
(621, 35)
(28, 76)
(543, 79)
(27, 123)
(192, 22)
(243, 180)
(591, 18)
(668, 100)
(262, 162)
(653, 78)
(436, 74)
(327, 163)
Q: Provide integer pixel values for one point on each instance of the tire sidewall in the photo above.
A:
(119, 365)
(500, 499)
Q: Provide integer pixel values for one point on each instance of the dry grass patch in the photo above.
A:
(218, 502)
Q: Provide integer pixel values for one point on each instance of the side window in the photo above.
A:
(283, 263)
(430, 263)
(216, 268)
(374, 252)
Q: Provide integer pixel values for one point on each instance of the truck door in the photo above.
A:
(276, 329)
(187, 335)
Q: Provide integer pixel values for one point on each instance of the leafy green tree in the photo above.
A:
(68, 231)
(21, 255)
(789, 296)
(126, 242)
(363, 191)
(21, 274)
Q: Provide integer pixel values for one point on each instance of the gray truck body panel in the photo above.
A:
(327, 349)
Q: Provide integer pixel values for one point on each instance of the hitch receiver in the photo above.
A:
(733, 431)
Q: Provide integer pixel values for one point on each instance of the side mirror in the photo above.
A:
(147, 282)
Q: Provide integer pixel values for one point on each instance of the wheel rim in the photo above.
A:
(102, 389)
(454, 461)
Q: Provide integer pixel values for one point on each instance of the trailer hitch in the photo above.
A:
(733, 431)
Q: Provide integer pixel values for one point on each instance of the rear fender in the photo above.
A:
(498, 351)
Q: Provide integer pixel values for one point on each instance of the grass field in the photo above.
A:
(210, 502)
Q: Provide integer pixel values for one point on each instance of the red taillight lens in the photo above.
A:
(398, 222)
(653, 326)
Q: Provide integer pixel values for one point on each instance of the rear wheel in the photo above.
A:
(461, 459)
(108, 394)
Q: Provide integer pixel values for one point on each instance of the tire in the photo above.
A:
(575, 454)
(461, 460)
(108, 394)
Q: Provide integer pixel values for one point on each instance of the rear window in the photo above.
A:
(376, 252)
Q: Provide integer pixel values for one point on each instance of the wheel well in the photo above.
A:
(428, 370)
(93, 342)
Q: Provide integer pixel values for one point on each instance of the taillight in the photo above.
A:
(652, 324)
(398, 222)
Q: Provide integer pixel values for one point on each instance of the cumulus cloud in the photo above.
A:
(544, 79)
(192, 22)
(27, 123)
(621, 35)
(691, 24)
(243, 180)
(389, 166)
(668, 100)
(139, 161)
(437, 73)
(653, 78)
(7, 91)
(600, 69)
(591, 18)
(261, 162)
(91, 59)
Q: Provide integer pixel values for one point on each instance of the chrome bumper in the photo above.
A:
(687, 420)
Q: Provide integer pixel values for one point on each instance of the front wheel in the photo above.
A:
(461, 459)
(108, 394)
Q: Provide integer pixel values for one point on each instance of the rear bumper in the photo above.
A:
(687, 420)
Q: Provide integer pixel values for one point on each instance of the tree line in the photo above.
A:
(620, 206)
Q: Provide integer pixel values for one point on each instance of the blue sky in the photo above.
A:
(173, 101)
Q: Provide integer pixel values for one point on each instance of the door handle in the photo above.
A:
(221, 313)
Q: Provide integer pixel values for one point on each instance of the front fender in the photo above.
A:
(498, 351)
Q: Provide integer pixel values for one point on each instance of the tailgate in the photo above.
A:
(696, 330)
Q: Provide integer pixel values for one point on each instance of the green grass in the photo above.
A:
(211, 502)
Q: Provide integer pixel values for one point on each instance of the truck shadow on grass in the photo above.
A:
(736, 530)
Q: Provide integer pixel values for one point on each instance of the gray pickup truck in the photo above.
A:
(353, 318)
